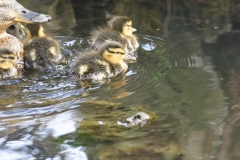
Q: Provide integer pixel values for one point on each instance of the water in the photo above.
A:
(185, 79)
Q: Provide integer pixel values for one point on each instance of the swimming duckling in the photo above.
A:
(40, 50)
(119, 29)
(7, 63)
(106, 62)
(11, 11)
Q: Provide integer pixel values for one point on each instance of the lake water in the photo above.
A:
(186, 78)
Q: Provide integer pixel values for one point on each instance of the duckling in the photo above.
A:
(17, 30)
(40, 50)
(7, 67)
(119, 29)
(105, 62)
(11, 11)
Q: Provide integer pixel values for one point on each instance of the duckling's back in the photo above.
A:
(91, 65)
(41, 51)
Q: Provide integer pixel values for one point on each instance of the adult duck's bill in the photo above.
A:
(11, 10)
(25, 15)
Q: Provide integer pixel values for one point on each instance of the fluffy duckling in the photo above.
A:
(7, 63)
(105, 62)
(11, 11)
(40, 50)
(119, 29)
(17, 30)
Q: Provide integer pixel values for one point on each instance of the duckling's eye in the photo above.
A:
(24, 12)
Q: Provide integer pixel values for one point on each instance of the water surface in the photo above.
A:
(185, 79)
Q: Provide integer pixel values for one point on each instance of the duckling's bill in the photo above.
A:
(130, 59)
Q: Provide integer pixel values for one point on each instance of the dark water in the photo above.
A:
(186, 79)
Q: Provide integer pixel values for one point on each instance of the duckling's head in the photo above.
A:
(11, 11)
(7, 58)
(17, 30)
(34, 30)
(122, 24)
(112, 51)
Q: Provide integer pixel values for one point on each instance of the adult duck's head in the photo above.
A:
(11, 11)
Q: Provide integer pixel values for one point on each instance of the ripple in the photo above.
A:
(43, 93)
(141, 77)
(43, 106)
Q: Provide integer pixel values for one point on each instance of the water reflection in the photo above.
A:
(34, 138)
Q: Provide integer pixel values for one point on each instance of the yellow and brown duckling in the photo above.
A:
(40, 50)
(7, 63)
(11, 11)
(105, 62)
(119, 29)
